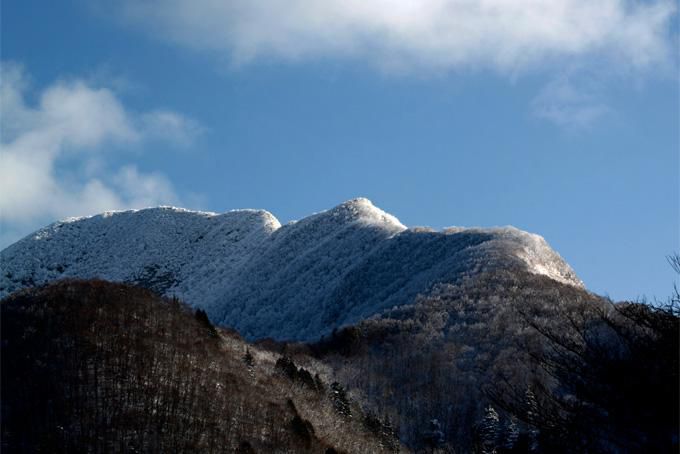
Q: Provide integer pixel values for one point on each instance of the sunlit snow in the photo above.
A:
(299, 280)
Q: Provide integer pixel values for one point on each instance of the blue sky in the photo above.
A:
(560, 118)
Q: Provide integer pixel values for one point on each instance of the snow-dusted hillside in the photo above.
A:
(296, 281)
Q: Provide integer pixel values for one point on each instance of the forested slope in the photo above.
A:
(516, 362)
(504, 362)
(91, 366)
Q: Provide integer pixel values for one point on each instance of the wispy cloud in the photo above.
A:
(76, 123)
(170, 126)
(505, 35)
(571, 105)
(630, 38)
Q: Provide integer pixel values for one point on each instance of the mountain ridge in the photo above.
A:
(298, 280)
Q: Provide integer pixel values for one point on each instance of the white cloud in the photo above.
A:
(571, 106)
(506, 35)
(170, 126)
(53, 155)
(510, 37)
(143, 190)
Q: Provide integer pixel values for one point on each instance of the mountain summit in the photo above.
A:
(294, 281)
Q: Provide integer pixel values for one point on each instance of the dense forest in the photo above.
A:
(506, 362)
(91, 366)
(515, 362)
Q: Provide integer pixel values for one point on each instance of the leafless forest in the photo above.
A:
(89, 366)
(503, 363)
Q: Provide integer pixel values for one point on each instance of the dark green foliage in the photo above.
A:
(203, 319)
(489, 432)
(286, 366)
(248, 359)
(305, 378)
(302, 428)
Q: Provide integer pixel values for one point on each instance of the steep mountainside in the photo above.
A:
(297, 281)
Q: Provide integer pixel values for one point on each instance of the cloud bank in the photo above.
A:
(54, 155)
(504, 35)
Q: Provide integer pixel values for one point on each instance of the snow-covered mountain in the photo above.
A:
(296, 281)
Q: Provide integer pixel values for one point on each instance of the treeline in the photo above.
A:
(91, 366)
(516, 362)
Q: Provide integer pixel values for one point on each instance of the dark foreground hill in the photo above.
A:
(91, 366)
(507, 362)
(516, 362)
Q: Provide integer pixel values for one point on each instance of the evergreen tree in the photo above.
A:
(203, 319)
(511, 435)
(489, 431)
(340, 400)
(286, 366)
(249, 360)
(532, 419)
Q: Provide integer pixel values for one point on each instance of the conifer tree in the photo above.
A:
(532, 419)
(489, 431)
(340, 400)
(249, 360)
(511, 434)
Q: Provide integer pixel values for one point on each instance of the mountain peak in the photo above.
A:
(362, 209)
(358, 202)
(296, 281)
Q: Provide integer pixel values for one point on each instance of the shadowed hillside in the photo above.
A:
(507, 362)
(91, 366)
(516, 362)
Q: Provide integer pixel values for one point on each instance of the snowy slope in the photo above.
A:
(296, 281)
(170, 250)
